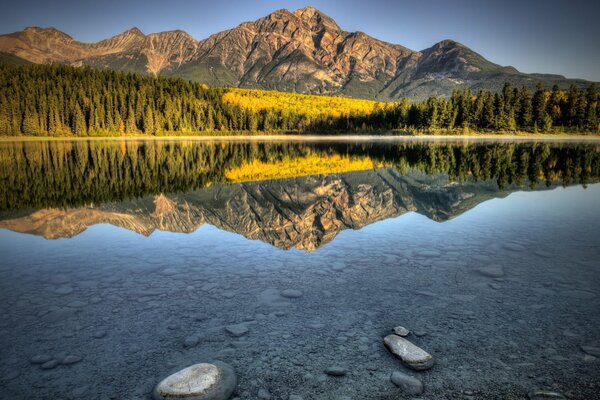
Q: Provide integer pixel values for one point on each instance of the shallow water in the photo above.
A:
(489, 253)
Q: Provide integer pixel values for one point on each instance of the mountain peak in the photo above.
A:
(135, 31)
(316, 18)
(36, 30)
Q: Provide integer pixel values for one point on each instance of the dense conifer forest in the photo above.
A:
(56, 100)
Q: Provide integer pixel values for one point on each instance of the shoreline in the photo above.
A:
(313, 138)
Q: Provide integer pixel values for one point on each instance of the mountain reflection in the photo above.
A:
(59, 189)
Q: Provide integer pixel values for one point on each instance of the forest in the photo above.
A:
(58, 100)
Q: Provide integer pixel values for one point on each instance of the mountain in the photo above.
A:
(303, 213)
(303, 51)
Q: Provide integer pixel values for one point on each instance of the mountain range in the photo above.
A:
(303, 213)
(303, 51)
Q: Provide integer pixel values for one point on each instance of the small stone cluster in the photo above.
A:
(411, 356)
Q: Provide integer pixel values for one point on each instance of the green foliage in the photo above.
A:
(55, 100)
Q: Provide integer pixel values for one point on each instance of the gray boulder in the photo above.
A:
(407, 383)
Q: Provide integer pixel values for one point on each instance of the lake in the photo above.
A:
(122, 262)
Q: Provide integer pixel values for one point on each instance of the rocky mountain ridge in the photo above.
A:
(303, 51)
(303, 213)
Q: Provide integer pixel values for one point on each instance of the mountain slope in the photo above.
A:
(303, 51)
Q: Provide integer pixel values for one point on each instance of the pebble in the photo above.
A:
(336, 371)
(68, 360)
(513, 247)
(62, 290)
(40, 359)
(237, 330)
(491, 271)
(411, 355)
(49, 364)
(215, 381)
(99, 334)
(545, 395)
(401, 331)
(191, 341)
(407, 383)
(291, 293)
(264, 394)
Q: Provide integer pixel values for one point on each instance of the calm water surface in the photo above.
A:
(135, 257)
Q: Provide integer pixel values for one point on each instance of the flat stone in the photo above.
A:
(49, 364)
(540, 394)
(513, 247)
(407, 383)
(70, 360)
(264, 394)
(291, 293)
(411, 355)
(40, 359)
(591, 350)
(99, 334)
(62, 290)
(237, 330)
(336, 371)
(202, 381)
(401, 331)
(191, 341)
(491, 271)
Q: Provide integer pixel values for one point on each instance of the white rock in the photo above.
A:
(198, 382)
(411, 355)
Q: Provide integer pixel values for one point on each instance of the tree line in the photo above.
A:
(56, 100)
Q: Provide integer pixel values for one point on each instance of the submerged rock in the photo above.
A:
(291, 293)
(407, 383)
(40, 359)
(50, 364)
(203, 381)
(411, 355)
(68, 360)
(237, 330)
(336, 371)
(540, 394)
(401, 331)
(491, 271)
(591, 350)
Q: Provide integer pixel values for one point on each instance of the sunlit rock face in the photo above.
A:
(303, 51)
(303, 213)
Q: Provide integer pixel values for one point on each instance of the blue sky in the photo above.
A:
(534, 36)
